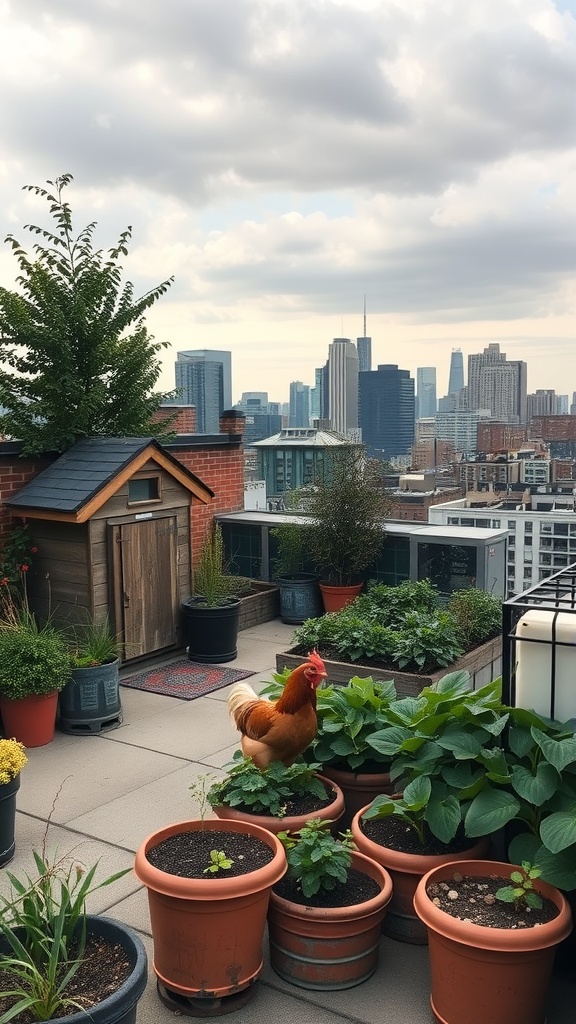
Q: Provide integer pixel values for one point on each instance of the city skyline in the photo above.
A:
(435, 176)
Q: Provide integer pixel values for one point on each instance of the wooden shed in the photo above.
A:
(111, 521)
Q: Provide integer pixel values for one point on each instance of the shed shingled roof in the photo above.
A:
(81, 472)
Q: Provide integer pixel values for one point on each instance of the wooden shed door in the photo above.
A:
(146, 588)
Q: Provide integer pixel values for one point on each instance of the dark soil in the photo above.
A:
(300, 803)
(188, 854)
(357, 889)
(103, 969)
(394, 833)
(474, 899)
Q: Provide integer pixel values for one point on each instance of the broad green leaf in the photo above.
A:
(389, 741)
(443, 817)
(558, 752)
(463, 745)
(558, 869)
(520, 740)
(453, 683)
(535, 788)
(525, 847)
(558, 830)
(417, 793)
(489, 811)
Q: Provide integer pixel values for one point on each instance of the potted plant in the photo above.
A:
(59, 963)
(444, 756)
(347, 716)
(210, 616)
(325, 915)
(34, 666)
(299, 592)
(12, 761)
(348, 508)
(278, 797)
(90, 702)
(494, 928)
(208, 888)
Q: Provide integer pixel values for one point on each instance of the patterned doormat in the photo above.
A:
(185, 679)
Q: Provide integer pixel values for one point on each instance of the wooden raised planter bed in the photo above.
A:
(262, 605)
(483, 663)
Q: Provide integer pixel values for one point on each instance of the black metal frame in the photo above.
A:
(556, 594)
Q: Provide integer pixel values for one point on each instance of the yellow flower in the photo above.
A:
(12, 760)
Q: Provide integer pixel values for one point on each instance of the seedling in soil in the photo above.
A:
(199, 790)
(521, 893)
(219, 862)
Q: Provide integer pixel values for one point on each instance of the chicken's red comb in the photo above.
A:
(315, 659)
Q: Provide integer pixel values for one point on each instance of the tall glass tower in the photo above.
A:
(456, 379)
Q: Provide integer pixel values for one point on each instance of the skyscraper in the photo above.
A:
(497, 384)
(426, 404)
(343, 385)
(387, 411)
(299, 404)
(456, 378)
(364, 346)
(204, 378)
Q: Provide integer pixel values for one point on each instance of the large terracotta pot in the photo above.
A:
(406, 869)
(329, 948)
(333, 812)
(359, 789)
(480, 974)
(31, 720)
(336, 598)
(208, 932)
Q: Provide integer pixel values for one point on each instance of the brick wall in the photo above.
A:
(554, 428)
(15, 472)
(184, 417)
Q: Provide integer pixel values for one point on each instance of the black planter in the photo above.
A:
(90, 702)
(8, 792)
(211, 634)
(119, 1007)
(300, 597)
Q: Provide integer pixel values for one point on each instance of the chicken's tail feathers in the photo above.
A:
(239, 696)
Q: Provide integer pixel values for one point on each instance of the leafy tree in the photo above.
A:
(78, 360)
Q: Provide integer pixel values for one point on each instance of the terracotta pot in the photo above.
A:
(359, 789)
(336, 598)
(329, 948)
(406, 870)
(31, 720)
(502, 973)
(333, 812)
(208, 932)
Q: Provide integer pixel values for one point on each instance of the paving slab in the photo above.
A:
(186, 729)
(129, 818)
(80, 773)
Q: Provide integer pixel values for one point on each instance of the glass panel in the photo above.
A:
(528, 527)
(147, 489)
(449, 567)
(243, 549)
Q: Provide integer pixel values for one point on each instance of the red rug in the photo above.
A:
(184, 679)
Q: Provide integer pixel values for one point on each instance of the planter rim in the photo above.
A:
(332, 915)
(204, 888)
(199, 604)
(500, 939)
(101, 664)
(339, 775)
(296, 577)
(291, 823)
(412, 863)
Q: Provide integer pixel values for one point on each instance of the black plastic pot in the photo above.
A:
(8, 792)
(211, 633)
(90, 702)
(300, 597)
(119, 1007)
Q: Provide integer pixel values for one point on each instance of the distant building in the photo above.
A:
(387, 411)
(364, 346)
(343, 385)
(295, 457)
(460, 428)
(497, 384)
(456, 378)
(204, 379)
(299, 415)
(562, 405)
(498, 437)
(426, 404)
(541, 403)
(416, 493)
(554, 428)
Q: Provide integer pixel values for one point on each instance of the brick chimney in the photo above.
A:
(232, 421)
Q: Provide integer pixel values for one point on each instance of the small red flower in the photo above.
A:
(34, 550)
(4, 582)
(24, 568)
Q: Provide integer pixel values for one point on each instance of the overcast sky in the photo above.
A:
(282, 158)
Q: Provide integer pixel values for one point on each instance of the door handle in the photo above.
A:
(126, 599)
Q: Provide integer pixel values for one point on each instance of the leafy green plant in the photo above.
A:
(16, 557)
(478, 615)
(315, 858)
(292, 555)
(212, 584)
(199, 790)
(446, 758)
(521, 893)
(34, 659)
(264, 791)
(426, 643)
(218, 862)
(389, 605)
(348, 508)
(44, 923)
(93, 643)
